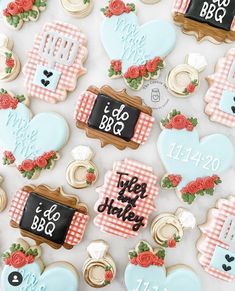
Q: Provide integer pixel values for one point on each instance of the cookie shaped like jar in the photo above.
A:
(82, 172)
(99, 269)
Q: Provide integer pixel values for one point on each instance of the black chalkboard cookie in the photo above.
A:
(49, 216)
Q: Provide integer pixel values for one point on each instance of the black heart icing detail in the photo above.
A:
(229, 259)
(45, 82)
(226, 268)
(47, 74)
(233, 109)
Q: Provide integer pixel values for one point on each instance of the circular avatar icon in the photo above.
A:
(15, 279)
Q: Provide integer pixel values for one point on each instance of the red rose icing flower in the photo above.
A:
(179, 121)
(175, 179)
(117, 65)
(134, 261)
(158, 261)
(18, 259)
(6, 13)
(192, 187)
(145, 259)
(171, 243)
(10, 62)
(132, 72)
(25, 4)
(27, 165)
(30, 259)
(142, 71)
(208, 183)
(191, 88)
(7, 101)
(12, 8)
(90, 177)
(9, 156)
(117, 7)
(108, 275)
(41, 162)
(151, 66)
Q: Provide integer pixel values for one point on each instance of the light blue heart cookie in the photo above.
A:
(153, 278)
(28, 139)
(123, 39)
(182, 153)
(56, 277)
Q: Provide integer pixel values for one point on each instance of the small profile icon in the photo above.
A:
(15, 279)
(155, 95)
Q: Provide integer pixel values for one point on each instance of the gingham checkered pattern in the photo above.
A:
(181, 6)
(77, 226)
(214, 94)
(211, 233)
(17, 205)
(84, 108)
(112, 224)
(69, 74)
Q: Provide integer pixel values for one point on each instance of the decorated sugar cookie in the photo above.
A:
(150, 1)
(206, 19)
(136, 52)
(55, 62)
(82, 172)
(99, 269)
(16, 12)
(146, 271)
(3, 197)
(78, 8)
(126, 199)
(114, 117)
(183, 80)
(31, 144)
(49, 216)
(217, 243)
(193, 166)
(9, 62)
(24, 270)
(167, 229)
(220, 96)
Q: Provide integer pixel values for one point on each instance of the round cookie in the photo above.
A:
(78, 8)
(3, 197)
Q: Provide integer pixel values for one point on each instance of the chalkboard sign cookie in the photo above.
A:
(31, 144)
(126, 199)
(55, 62)
(136, 52)
(24, 270)
(9, 62)
(3, 197)
(78, 8)
(49, 216)
(99, 269)
(193, 166)
(146, 271)
(217, 243)
(207, 19)
(220, 96)
(114, 117)
(16, 12)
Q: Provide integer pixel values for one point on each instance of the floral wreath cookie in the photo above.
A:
(146, 271)
(206, 19)
(24, 270)
(49, 216)
(10, 64)
(16, 12)
(82, 172)
(126, 198)
(136, 52)
(183, 80)
(220, 96)
(193, 166)
(3, 197)
(55, 62)
(216, 246)
(99, 269)
(167, 229)
(32, 145)
(78, 8)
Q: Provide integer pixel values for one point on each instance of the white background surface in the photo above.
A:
(97, 65)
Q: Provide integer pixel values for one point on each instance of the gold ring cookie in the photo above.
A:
(99, 270)
(183, 80)
(78, 8)
(167, 229)
(82, 172)
(3, 197)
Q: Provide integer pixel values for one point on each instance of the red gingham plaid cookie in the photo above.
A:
(76, 228)
(84, 108)
(219, 81)
(120, 226)
(69, 73)
(211, 236)
(181, 6)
